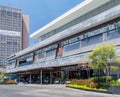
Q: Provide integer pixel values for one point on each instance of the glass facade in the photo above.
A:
(108, 32)
(10, 19)
(10, 32)
(98, 35)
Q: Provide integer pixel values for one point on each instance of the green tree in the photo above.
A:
(103, 57)
(2, 75)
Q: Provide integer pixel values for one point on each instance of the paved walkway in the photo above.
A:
(46, 91)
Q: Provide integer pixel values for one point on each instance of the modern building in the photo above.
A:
(14, 28)
(65, 43)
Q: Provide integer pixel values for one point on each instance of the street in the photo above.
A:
(46, 91)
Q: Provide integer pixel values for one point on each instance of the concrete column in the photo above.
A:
(79, 73)
(68, 74)
(62, 74)
(18, 78)
(80, 44)
(104, 36)
(117, 76)
(41, 77)
(51, 77)
(30, 78)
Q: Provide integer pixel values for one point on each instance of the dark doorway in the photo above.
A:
(46, 77)
(73, 74)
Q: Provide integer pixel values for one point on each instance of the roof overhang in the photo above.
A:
(81, 9)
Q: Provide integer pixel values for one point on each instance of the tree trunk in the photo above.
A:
(107, 74)
(98, 74)
(109, 71)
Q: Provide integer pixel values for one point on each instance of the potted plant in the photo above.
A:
(57, 80)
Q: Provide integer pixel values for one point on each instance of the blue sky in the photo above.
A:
(41, 12)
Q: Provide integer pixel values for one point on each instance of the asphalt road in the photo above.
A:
(46, 91)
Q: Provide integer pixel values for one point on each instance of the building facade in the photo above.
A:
(14, 28)
(64, 43)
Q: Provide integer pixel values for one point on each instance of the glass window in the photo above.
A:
(50, 53)
(71, 47)
(117, 25)
(64, 42)
(92, 40)
(112, 34)
(72, 40)
(81, 37)
(41, 55)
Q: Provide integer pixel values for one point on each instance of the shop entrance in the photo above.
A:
(46, 77)
(85, 74)
(73, 74)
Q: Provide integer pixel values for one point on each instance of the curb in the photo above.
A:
(91, 90)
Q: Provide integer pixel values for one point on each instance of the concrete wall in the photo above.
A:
(25, 31)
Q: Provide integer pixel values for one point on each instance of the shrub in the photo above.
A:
(8, 82)
(115, 83)
(78, 82)
(101, 79)
(2, 74)
(87, 83)
(93, 85)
